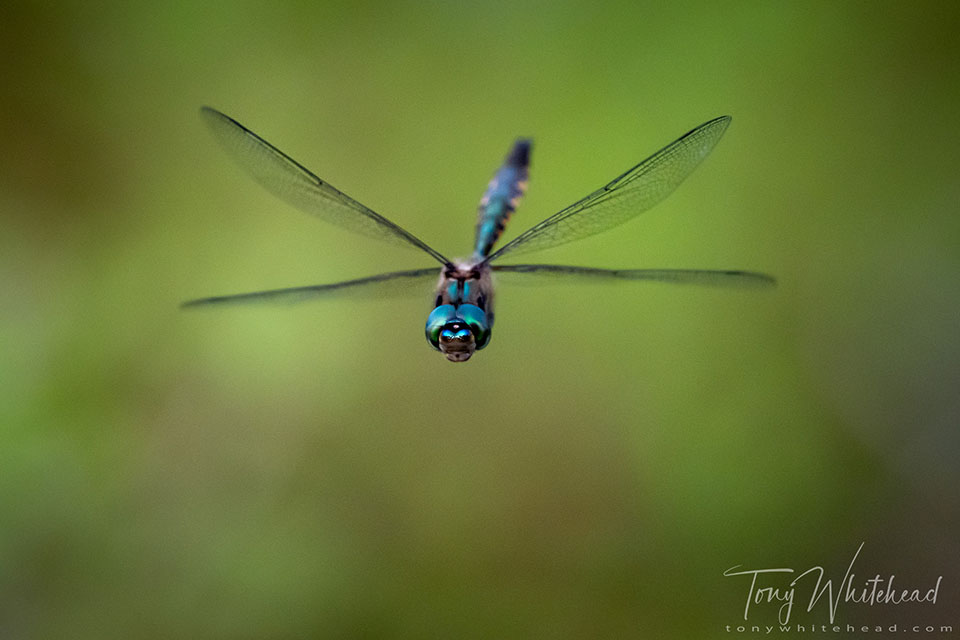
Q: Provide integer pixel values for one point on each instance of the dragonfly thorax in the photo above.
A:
(462, 318)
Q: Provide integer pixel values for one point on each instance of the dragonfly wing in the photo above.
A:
(382, 285)
(632, 193)
(290, 181)
(545, 272)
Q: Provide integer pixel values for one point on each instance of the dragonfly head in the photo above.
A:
(458, 331)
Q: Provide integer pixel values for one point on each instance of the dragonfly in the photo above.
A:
(461, 320)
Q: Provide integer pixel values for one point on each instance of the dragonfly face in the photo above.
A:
(449, 330)
(462, 318)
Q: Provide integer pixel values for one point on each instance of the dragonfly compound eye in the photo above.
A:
(437, 319)
(478, 321)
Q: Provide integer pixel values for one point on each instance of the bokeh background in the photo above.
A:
(318, 471)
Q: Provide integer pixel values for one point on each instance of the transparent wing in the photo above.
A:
(378, 286)
(542, 272)
(290, 181)
(632, 193)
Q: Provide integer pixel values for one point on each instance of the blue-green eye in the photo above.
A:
(436, 321)
(476, 319)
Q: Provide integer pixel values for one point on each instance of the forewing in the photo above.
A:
(290, 181)
(627, 196)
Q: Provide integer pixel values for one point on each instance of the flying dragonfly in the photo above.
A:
(461, 321)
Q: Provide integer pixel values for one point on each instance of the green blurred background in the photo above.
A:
(318, 471)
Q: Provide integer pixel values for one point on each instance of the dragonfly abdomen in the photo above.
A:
(503, 196)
